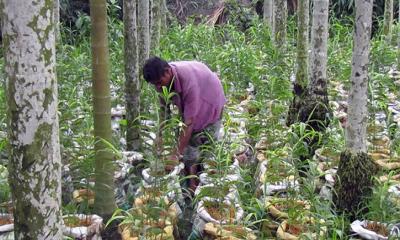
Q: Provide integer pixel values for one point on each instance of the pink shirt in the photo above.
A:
(200, 95)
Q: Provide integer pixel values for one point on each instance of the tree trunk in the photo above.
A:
(356, 168)
(302, 44)
(356, 132)
(104, 169)
(388, 22)
(319, 43)
(132, 84)
(301, 83)
(34, 160)
(156, 9)
(280, 22)
(268, 14)
(316, 105)
(164, 14)
(57, 19)
(143, 31)
(311, 105)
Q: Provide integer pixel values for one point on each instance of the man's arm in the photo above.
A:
(184, 137)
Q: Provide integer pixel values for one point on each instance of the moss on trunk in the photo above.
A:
(354, 183)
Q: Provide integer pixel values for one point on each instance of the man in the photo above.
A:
(200, 99)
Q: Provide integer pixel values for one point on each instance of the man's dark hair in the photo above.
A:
(154, 69)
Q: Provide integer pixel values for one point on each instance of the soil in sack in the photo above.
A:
(220, 211)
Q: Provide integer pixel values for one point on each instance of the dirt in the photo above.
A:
(5, 221)
(77, 222)
(186, 9)
(236, 230)
(281, 207)
(378, 228)
(295, 229)
(220, 211)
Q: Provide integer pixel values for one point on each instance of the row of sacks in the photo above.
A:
(156, 208)
(275, 178)
(218, 212)
(379, 143)
(237, 134)
(126, 180)
(289, 216)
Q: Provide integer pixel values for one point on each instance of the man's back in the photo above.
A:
(201, 93)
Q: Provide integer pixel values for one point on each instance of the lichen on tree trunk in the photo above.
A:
(34, 159)
(302, 77)
(354, 183)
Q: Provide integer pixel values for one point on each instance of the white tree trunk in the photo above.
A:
(280, 22)
(34, 162)
(132, 84)
(143, 30)
(319, 44)
(156, 9)
(388, 22)
(356, 132)
(268, 14)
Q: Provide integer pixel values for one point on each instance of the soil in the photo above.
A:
(236, 230)
(295, 229)
(281, 207)
(378, 228)
(5, 221)
(77, 222)
(184, 9)
(219, 211)
(284, 206)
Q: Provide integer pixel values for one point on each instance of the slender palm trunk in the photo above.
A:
(104, 169)
(132, 84)
(34, 159)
